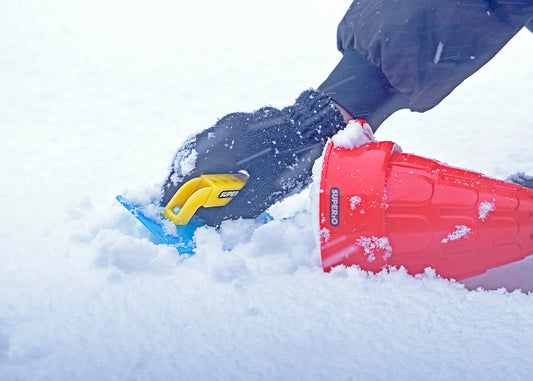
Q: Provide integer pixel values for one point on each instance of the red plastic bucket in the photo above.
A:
(380, 207)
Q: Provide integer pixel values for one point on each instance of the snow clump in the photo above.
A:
(324, 235)
(375, 245)
(354, 201)
(484, 208)
(184, 162)
(354, 135)
(461, 231)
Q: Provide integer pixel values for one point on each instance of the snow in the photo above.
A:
(355, 134)
(97, 96)
(354, 201)
(460, 232)
(324, 235)
(484, 208)
(184, 163)
(375, 246)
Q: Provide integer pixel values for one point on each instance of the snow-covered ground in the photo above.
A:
(95, 98)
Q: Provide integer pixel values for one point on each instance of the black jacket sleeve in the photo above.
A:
(426, 48)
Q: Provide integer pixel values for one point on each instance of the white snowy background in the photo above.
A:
(95, 96)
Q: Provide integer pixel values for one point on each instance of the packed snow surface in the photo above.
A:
(96, 98)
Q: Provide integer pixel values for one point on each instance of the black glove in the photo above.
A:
(276, 148)
(521, 178)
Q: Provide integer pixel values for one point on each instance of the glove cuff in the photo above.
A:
(315, 115)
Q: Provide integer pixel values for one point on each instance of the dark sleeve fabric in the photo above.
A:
(426, 48)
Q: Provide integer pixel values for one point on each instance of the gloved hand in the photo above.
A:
(277, 149)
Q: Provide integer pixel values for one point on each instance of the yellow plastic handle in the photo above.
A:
(207, 191)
